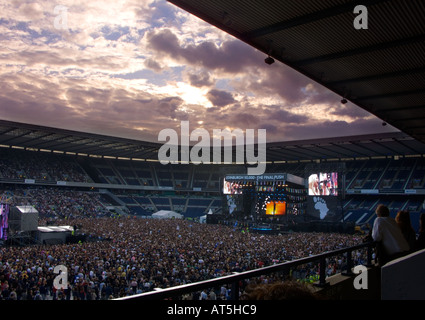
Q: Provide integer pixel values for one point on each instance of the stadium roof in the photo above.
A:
(33, 137)
(381, 69)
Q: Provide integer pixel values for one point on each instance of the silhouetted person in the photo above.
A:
(403, 221)
(391, 242)
(420, 241)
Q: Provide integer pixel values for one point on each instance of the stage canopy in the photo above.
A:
(166, 214)
(55, 228)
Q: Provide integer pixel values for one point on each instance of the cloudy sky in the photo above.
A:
(134, 67)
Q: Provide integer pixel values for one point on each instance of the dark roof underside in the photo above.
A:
(381, 69)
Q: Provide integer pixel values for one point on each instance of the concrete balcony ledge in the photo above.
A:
(404, 278)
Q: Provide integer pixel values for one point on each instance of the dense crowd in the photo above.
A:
(18, 164)
(58, 202)
(142, 254)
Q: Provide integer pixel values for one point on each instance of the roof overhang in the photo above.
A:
(33, 137)
(40, 138)
(380, 69)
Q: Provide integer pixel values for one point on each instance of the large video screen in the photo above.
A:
(231, 187)
(323, 184)
(276, 208)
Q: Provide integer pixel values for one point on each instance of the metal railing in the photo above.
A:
(235, 278)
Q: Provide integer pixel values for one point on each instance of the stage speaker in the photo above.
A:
(214, 218)
(23, 218)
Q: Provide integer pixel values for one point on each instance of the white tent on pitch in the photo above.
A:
(166, 214)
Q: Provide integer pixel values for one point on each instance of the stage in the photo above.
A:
(53, 234)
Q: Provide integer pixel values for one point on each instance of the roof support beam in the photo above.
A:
(362, 50)
(13, 137)
(391, 94)
(41, 144)
(403, 108)
(371, 152)
(409, 119)
(312, 17)
(377, 76)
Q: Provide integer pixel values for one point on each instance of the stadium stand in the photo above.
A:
(398, 183)
(19, 164)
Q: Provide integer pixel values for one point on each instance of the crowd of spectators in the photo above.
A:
(58, 203)
(18, 164)
(139, 255)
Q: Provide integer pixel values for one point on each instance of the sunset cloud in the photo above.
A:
(132, 68)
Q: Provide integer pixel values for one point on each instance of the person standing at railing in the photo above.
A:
(403, 220)
(386, 231)
(420, 241)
